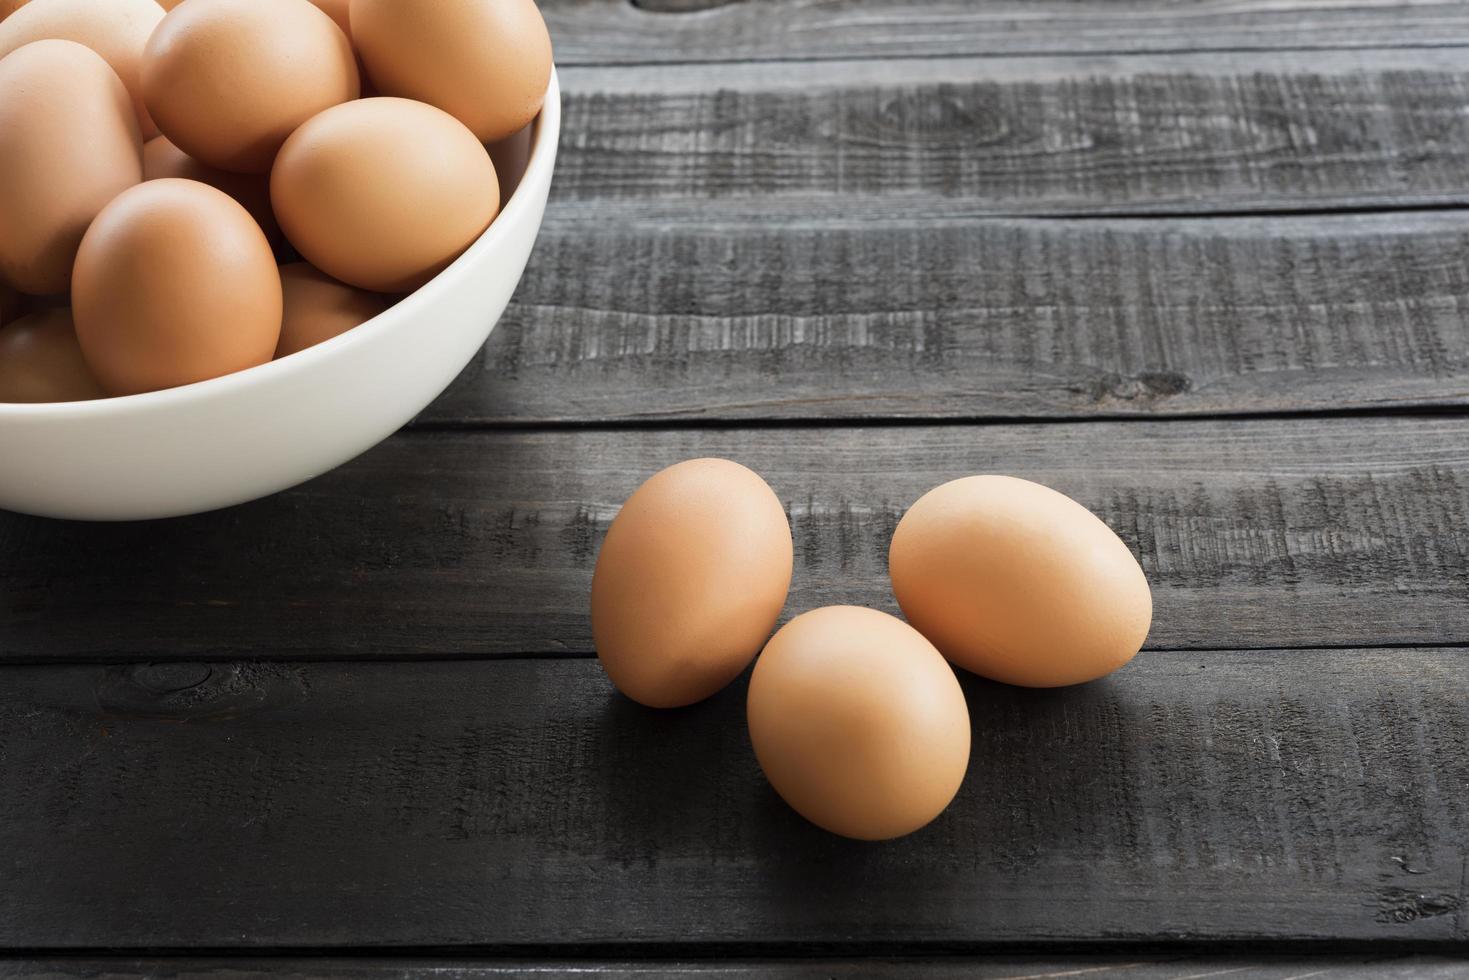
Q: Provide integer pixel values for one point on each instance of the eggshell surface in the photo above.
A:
(228, 80)
(115, 29)
(486, 62)
(1019, 583)
(858, 722)
(318, 308)
(69, 143)
(690, 581)
(162, 159)
(41, 361)
(175, 283)
(337, 11)
(383, 193)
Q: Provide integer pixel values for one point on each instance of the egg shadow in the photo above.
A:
(1038, 796)
(674, 780)
(1049, 790)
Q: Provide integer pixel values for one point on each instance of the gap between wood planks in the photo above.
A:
(917, 421)
(654, 214)
(579, 656)
(1102, 215)
(1243, 952)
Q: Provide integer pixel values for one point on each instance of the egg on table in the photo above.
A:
(115, 29)
(383, 193)
(69, 143)
(1019, 583)
(318, 308)
(175, 283)
(858, 722)
(690, 581)
(41, 361)
(228, 80)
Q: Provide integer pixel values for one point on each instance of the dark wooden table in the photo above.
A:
(1201, 264)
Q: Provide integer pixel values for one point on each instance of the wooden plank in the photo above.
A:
(945, 138)
(1226, 795)
(1144, 966)
(618, 31)
(986, 318)
(1252, 532)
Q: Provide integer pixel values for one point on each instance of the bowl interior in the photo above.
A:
(545, 131)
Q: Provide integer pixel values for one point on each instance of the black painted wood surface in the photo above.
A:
(696, 319)
(1254, 533)
(1144, 966)
(1193, 795)
(1201, 264)
(640, 31)
(958, 137)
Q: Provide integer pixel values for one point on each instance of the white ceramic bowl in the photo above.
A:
(246, 435)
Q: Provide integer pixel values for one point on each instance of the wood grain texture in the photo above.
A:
(977, 318)
(619, 31)
(947, 138)
(1191, 796)
(1144, 966)
(1252, 533)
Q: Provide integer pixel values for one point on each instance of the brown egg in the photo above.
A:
(486, 62)
(383, 193)
(115, 29)
(8, 7)
(858, 722)
(40, 361)
(228, 80)
(1019, 583)
(337, 11)
(175, 283)
(690, 581)
(69, 142)
(162, 159)
(317, 308)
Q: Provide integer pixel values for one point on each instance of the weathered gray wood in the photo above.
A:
(977, 319)
(955, 137)
(1253, 533)
(1193, 795)
(1145, 966)
(609, 31)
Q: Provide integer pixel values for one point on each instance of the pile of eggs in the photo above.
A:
(155, 167)
(856, 717)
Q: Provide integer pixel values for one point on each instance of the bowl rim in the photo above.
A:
(537, 169)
